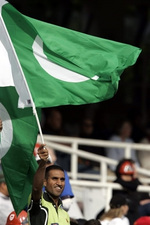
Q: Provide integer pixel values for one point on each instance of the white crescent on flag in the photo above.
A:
(53, 69)
(6, 135)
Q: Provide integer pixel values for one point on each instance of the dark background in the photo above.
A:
(125, 21)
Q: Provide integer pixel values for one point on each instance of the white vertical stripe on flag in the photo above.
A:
(6, 78)
(15, 74)
(25, 97)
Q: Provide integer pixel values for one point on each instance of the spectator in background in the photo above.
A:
(21, 219)
(87, 130)
(54, 126)
(116, 215)
(53, 122)
(137, 122)
(142, 154)
(123, 135)
(127, 177)
(5, 203)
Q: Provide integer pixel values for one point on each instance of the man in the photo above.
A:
(5, 202)
(67, 195)
(46, 208)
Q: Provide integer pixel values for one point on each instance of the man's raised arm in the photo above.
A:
(40, 174)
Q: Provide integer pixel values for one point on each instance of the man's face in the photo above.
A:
(55, 183)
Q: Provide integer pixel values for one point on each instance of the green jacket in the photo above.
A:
(45, 212)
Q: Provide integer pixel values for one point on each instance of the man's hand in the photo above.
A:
(43, 153)
(1, 125)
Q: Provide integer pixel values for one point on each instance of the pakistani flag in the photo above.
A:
(19, 133)
(62, 66)
(17, 141)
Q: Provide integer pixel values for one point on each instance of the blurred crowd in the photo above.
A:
(123, 130)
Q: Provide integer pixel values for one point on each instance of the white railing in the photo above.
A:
(70, 145)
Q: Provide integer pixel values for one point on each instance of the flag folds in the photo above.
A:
(63, 66)
(17, 141)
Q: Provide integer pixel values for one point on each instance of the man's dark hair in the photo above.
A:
(52, 167)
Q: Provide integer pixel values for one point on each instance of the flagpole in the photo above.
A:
(38, 123)
(22, 75)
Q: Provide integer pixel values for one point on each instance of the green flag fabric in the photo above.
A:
(17, 141)
(62, 66)
(57, 66)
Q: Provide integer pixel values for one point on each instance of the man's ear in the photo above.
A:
(45, 182)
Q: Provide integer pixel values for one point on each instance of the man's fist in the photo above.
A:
(43, 152)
